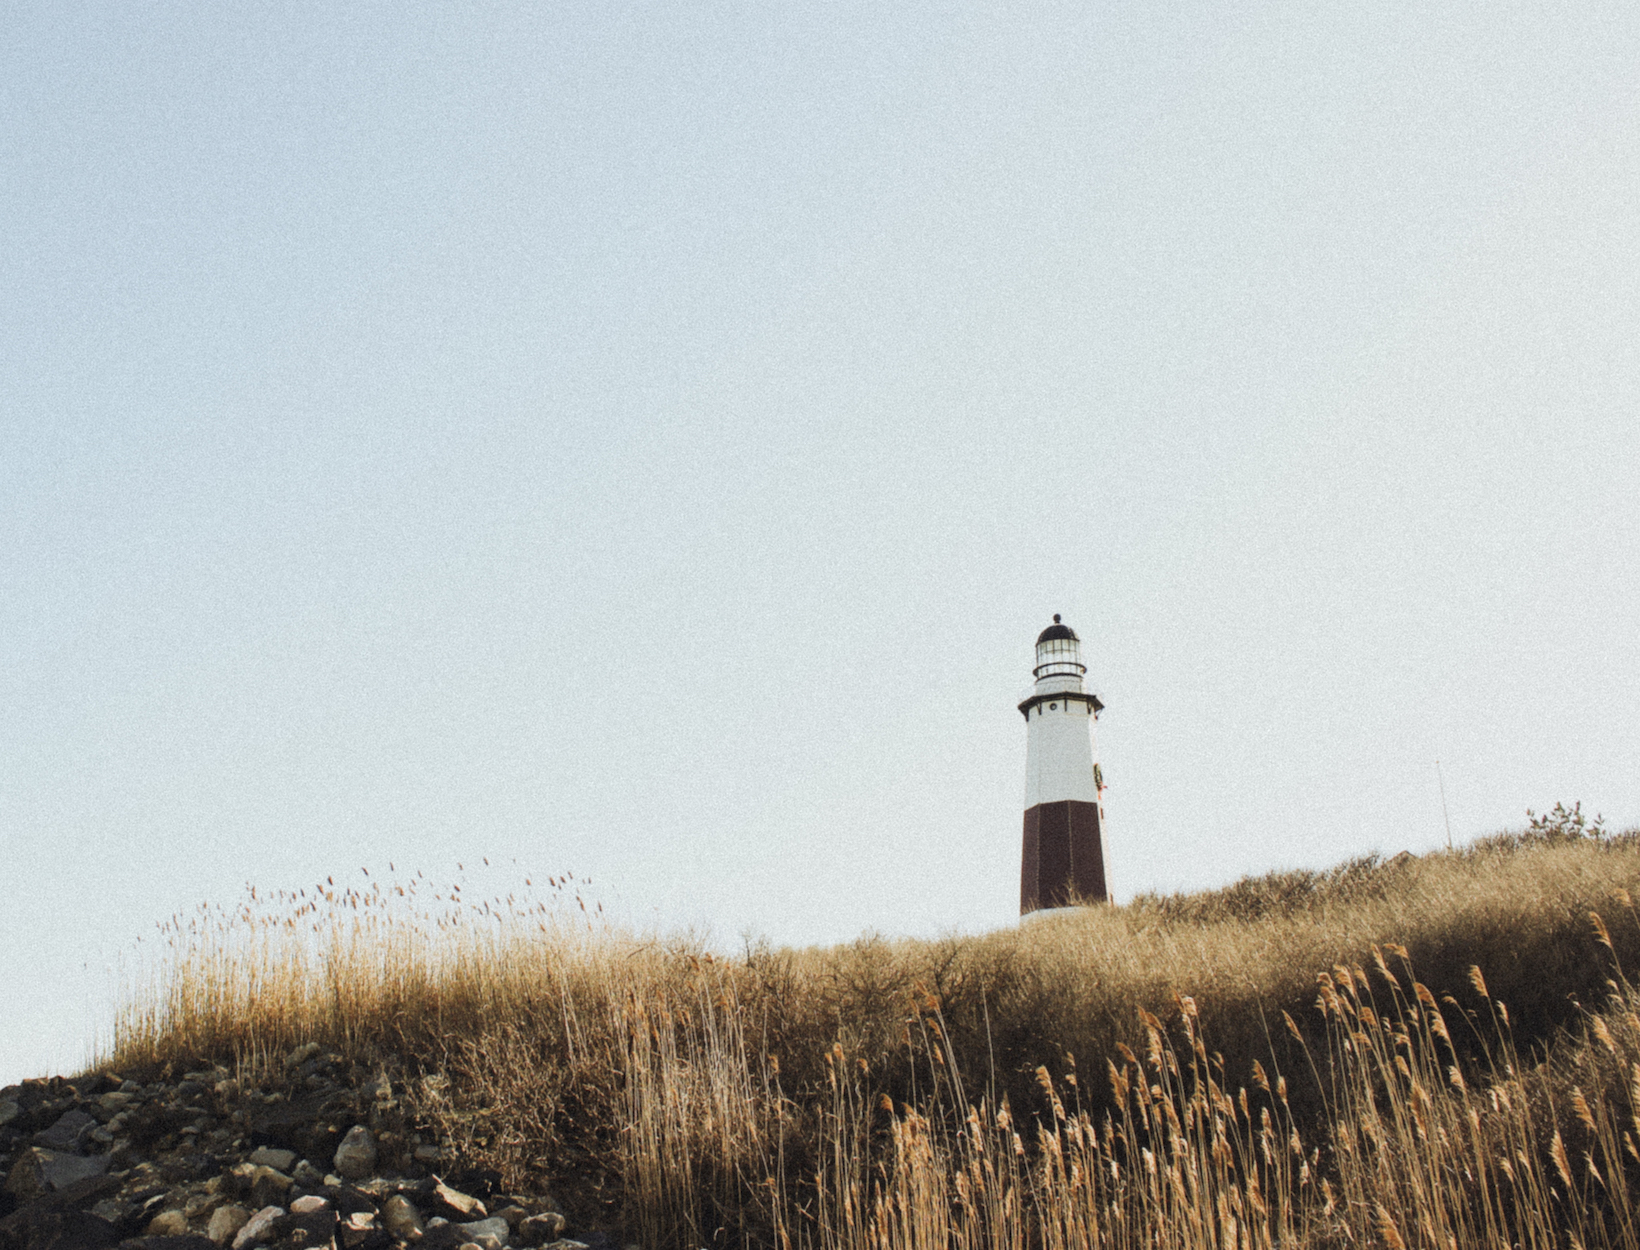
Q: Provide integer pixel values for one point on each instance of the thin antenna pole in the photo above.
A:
(1444, 815)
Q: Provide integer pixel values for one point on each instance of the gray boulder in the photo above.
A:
(356, 1156)
(39, 1171)
(69, 1133)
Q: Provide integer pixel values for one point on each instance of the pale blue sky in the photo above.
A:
(646, 440)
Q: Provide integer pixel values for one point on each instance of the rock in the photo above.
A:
(199, 1206)
(168, 1223)
(360, 1231)
(44, 1226)
(308, 1176)
(225, 1222)
(309, 1204)
(39, 1171)
(68, 1133)
(349, 1200)
(86, 1190)
(458, 1204)
(427, 1154)
(9, 1111)
(64, 1171)
(310, 1228)
(536, 1230)
(188, 1241)
(270, 1188)
(356, 1156)
(300, 1124)
(567, 1244)
(401, 1219)
(301, 1055)
(266, 1225)
(264, 1186)
(272, 1157)
(491, 1234)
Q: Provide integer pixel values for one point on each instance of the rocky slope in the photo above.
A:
(313, 1153)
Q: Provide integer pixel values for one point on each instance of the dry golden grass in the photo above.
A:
(956, 1092)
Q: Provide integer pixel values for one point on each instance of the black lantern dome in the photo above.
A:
(1056, 630)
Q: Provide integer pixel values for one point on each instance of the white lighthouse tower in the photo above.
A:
(1064, 859)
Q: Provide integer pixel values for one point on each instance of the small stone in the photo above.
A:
(201, 1205)
(301, 1055)
(427, 1154)
(360, 1231)
(459, 1203)
(271, 1157)
(356, 1156)
(225, 1222)
(308, 1176)
(513, 1214)
(401, 1219)
(307, 1204)
(263, 1226)
(168, 1223)
(567, 1244)
(9, 1111)
(268, 1186)
(536, 1230)
(491, 1233)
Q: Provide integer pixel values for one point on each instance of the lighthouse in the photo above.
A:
(1064, 859)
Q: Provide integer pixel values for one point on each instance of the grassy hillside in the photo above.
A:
(1424, 1051)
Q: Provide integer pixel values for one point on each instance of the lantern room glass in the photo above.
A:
(1059, 657)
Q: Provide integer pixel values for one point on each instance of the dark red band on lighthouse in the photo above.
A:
(1063, 860)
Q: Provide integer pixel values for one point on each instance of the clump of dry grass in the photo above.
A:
(931, 1093)
(1410, 1152)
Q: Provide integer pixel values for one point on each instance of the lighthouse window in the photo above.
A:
(1053, 707)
